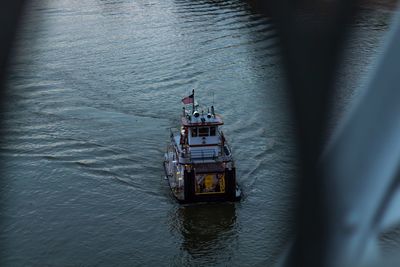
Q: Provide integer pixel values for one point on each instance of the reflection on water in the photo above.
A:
(208, 231)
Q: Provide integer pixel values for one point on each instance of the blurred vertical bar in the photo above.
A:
(362, 164)
(10, 14)
(312, 35)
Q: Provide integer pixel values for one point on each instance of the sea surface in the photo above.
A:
(93, 90)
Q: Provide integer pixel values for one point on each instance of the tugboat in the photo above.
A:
(198, 163)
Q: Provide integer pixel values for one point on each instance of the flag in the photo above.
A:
(188, 99)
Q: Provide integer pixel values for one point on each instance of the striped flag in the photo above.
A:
(188, 99)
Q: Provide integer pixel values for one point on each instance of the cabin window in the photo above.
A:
(203, 131)
(212, 131)
(194, 132)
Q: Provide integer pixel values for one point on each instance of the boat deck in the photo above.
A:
(201, 155)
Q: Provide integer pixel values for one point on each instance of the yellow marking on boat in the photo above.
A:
(222, 183)
(209, 181)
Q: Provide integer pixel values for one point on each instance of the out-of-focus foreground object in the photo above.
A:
(351, 194)
(312, 35)
(10, 13)
(361, 166)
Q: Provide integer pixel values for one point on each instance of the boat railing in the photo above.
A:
(226, 150)
(173, 131)
(179, 153)
(186, 155)
(203, 154)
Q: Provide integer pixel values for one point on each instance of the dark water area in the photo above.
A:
(95, 86)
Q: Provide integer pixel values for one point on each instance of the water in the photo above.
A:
(95, 85)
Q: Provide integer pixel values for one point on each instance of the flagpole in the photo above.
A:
(193, 101)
